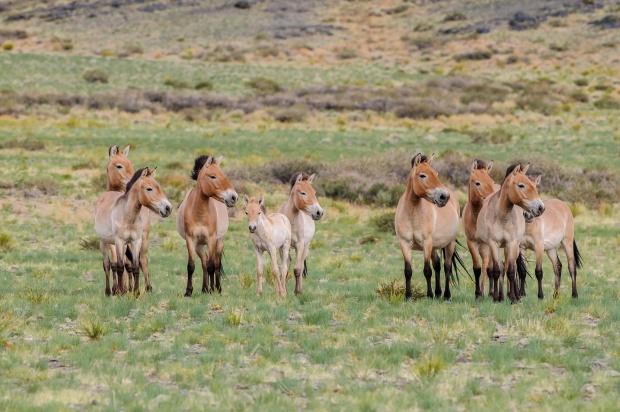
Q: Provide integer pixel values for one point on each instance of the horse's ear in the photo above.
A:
(219, 160)
(245, 199)
(261, 200)
(312, 176)
(527, 166)
(416, 160)
(516, 169)
(474, 166)
(112, 150)
(209, 161)
(430, 159)
(152, 172)
(145, 172)
(538, 179)
(489, 166)
(299, 178)
(126, 150)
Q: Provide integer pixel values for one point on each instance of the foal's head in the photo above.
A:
(149, 192)
(522, 191)
(212, 181)
(424, 181)
(254, 209)
(304, 195)
(480, 183)
(120, 169)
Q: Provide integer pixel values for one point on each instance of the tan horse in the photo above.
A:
(202, 220)
(545, 233)
(119, 220)
(427, 219)
(480, 186)
(120, 171)
(302, 209)
(269, 233)
(501, 225)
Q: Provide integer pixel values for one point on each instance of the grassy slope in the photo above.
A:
(339, 345)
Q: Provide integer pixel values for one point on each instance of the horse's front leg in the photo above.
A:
(437, 268)
(259, 271)
(202, 255)
(570, 246)
(473, 251)
(191, 247)
(447, 268)
(498, 295)
(540, 248)
(486, 269)
(144, 260)
(285, 259)
(557, 270)
(512, 251)
(299, 266)
(273, 253)
(428, 274)
(211, 244)
(406, 250)
(106, 266)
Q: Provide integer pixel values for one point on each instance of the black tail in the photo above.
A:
(522, 270)
(578, 259)
(305, 272)
(128, 254)
(455, 280)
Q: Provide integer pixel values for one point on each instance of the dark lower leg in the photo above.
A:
(437, 269)
(408, 273)
(477, 274)
(190, 272)
(539, 278)
(298, 273)
(447, 270)
(211, 274)
(512, 281)
(428, 274)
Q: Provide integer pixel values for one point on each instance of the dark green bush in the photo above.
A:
(264, 85)
(384, 222)
(95, 76)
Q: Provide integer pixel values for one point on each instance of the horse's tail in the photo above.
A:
(305, 272)
(522, 270)
(456, 257)
(578, 259)
(128, 254)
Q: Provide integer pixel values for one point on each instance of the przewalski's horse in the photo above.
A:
(501, 225)
(270, 233)
(545, 233)
(120, 171)
(302, 209)
(480, 186)
(202, 220)
(427, 219)
(120, 220)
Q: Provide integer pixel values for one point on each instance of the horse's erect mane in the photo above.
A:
(304, 176)
(509, 170)
(134, 179)
(422, 159)
(199, 162)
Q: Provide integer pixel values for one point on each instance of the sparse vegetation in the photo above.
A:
(95, 76)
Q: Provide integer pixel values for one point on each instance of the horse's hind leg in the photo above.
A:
(437, 268)
(405, 249)
(557, 270)
(473, 251)
(284, 257)
(276, 270)
(136, 246)
(428, 250)
(217, 261)
(106, 266)
(569, 247)
(191, 247)
(540, 248)
(259, 271)
(447, 268)
(498, 295)
(144, 261)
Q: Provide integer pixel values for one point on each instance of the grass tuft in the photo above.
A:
(93, 330)
(35, 296)
(89, 243)
(234, 317)
(6, 241)
(394, 291)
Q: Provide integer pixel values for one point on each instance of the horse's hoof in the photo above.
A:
(438, 295)
(575, 295)
(188, 293)
(299, 292)
(149, 288)
(541, 296)
(447, 296)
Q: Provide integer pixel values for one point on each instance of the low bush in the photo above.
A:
(24, 143)
(95, 76)
(263, 85)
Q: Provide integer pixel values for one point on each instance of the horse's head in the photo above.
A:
(120, 169)
(304, 195)
(522, 191)
(212, 181)
(424, 181)
(480, 183)
(150, 194)
(254, 209)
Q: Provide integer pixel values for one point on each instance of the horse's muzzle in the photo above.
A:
(252, 228)
(230, 198)
(441, 197)
(536, 208)
(165, 209)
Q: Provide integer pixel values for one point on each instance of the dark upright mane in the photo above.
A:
(509, 170)
(199, 162)
(422, 158)
(480, 164)
(304, 176)
(134, 179)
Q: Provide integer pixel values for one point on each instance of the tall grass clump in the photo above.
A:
(6, 241)
(93, 330)
(394, 291)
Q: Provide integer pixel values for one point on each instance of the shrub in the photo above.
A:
(234, 317)
(204, 85)
(291, 114)
(131, 48)
(95, 76)
(46, 185)
(340, 188)
(455, 17)
(26, 143)
(580, 96)
(384, 222)
(7, 45)
(394, 291)
(475, 55)
(89, 243)
(422, 109)
(176, 84)
(581, 82)
(92, 330)
(607, 103)
(264, 85)
(383, 195)
(346, 54)
(6, 241)
(282, 170)
(421, 27)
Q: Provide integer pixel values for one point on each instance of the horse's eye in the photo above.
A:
(422, 176)
(521, 186)
(213, 177)
(260, 213)
(149, 189)
(303, 193)
(119, 166)
(246, 213)
(477, 183)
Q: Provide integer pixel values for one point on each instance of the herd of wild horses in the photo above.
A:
(510, 216)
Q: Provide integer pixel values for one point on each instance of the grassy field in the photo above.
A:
(340, 345)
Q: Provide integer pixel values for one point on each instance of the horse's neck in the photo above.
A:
(131, 205)
(504, 205)
(111, 187)
(413, 201)
(202, 201)
(290, 210)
